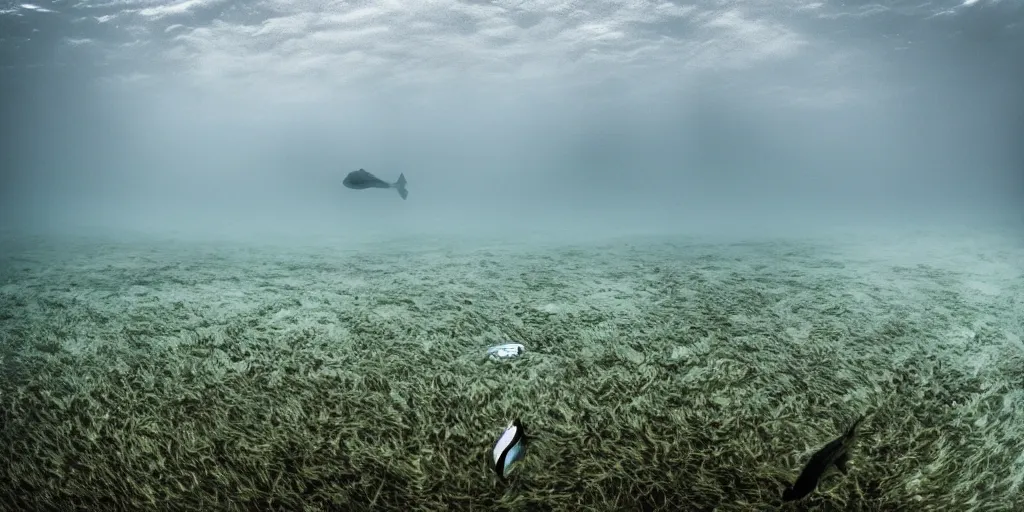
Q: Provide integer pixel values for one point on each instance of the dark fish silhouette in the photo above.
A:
(835, 453)
(362, 179)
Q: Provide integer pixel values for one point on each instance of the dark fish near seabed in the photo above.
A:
(361, 179)
(835, 453)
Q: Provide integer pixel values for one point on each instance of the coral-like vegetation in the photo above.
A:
(660, 375)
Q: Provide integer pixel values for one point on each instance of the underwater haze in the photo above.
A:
(722, 230)
(230, 116)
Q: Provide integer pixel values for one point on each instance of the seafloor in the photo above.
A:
(662, 373)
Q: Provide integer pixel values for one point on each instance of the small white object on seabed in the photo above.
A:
(511, 447)
(506, 351)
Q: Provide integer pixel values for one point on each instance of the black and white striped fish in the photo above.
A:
(511, 447)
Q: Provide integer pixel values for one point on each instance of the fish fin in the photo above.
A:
(841, 462)
(400, 185)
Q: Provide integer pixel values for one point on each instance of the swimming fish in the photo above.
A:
(361, 179)
(835, 453)
(511, 446)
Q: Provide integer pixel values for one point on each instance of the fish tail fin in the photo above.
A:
(400, 185)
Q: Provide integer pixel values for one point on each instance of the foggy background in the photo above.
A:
(212, 116)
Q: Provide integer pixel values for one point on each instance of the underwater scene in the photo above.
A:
(507, 255)
(657, 373)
